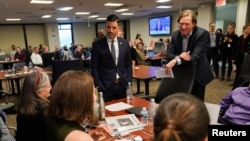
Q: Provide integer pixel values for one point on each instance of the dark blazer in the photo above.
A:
(198, 42)
(103, 67)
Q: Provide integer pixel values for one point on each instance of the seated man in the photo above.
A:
(36, 57)
(235, 107)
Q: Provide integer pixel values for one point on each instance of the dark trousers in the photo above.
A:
(226, 59)
(198, 90)
(116, 91)
(212, 54)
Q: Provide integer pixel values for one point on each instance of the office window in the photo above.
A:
(65, 34)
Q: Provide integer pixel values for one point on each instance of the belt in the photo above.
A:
(117, 80)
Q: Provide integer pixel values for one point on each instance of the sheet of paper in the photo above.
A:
(118, 106)
(162, 74)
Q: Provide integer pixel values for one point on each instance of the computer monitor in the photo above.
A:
(158, 46)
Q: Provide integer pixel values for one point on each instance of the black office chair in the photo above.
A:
(47, 59)
(183, 80)
(61, 66)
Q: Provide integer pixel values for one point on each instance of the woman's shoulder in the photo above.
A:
(78, 135)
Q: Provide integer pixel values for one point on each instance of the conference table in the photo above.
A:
(145, 73)
(147, 132)
(156, 60)
(11, 76)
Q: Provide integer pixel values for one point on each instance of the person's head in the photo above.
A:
(138, 36)
(72, 97)
(112, 26)
(100, 33)
(120, 34)
(45, 49)
(219, 30)
(211, 27)
(18, 49)
(181, 117)
(13, 47)
(187, 21)
(30, 47)
(230, 29)
(57, 48)
(35, 50)
(139, 46)
(246, 29)
(36, 87)
(65, 47)
(166, 42)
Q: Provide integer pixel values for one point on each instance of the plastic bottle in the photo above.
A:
(152, 111)
(129, 93)
(101, 107)
(144, 116)
(30, 66)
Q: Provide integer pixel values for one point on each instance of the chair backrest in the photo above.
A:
(47, 59)
(158, 46)
(183, 80)
(61, 66)
(245, 67)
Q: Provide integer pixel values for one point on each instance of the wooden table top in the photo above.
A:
(145, 72)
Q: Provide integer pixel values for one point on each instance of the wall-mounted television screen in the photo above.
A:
(160, 25)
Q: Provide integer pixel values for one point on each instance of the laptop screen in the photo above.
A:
(150, 54)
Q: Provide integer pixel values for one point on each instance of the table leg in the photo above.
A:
(18, 85)
(12, 86)
(146, 81)
(138, 87)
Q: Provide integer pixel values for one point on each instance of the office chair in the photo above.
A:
(47, 59)
(61, 66)
(183, 80)
(5, 105)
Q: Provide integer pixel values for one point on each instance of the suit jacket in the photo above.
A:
(103, 67)
(198, 42)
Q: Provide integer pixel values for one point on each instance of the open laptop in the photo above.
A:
(150, 53)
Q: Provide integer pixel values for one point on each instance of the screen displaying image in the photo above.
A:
(160, 26)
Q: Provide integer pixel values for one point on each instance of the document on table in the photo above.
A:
(118, 106)
(162, 74)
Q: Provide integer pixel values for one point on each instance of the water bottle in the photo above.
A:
(152, 111)
(129, 93)
(30, 66)
(101, 107)
(144, 116)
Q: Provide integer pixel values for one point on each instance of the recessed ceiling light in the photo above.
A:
(65, 8)
(113, 4)
(42, 1)
(121, 10)
(164, 6)
(93, 16)
(62, 19)
(161, 1)
(13, 19)
(82, 13)
(46, 16)
(101, 18)
(127, 14)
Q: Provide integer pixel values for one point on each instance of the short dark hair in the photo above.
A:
(112, 18)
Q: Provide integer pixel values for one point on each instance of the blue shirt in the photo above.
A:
(237, 106)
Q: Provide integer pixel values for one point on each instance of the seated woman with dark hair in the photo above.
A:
(72, 107)
(181, 117)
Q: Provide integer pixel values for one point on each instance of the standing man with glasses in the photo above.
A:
(188, 45)
(111, 65)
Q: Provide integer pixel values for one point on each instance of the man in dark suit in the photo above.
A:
(189, 45)
(111, 64)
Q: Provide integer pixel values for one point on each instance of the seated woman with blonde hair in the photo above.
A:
(181, 117)
(72, 107)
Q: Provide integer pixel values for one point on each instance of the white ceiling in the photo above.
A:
(31, 13)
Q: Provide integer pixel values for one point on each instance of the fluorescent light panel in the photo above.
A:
(82, 13)
(13, 19)
(127, 14)
(113, 4)
(161, 1)
(46, 16)
(101, 18)
(93, 16)
(65, 8)
(121, 10)
(164, 6)
(62, 19)
(42, 1)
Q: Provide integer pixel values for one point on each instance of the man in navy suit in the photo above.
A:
(189, 45)
(111, 70)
